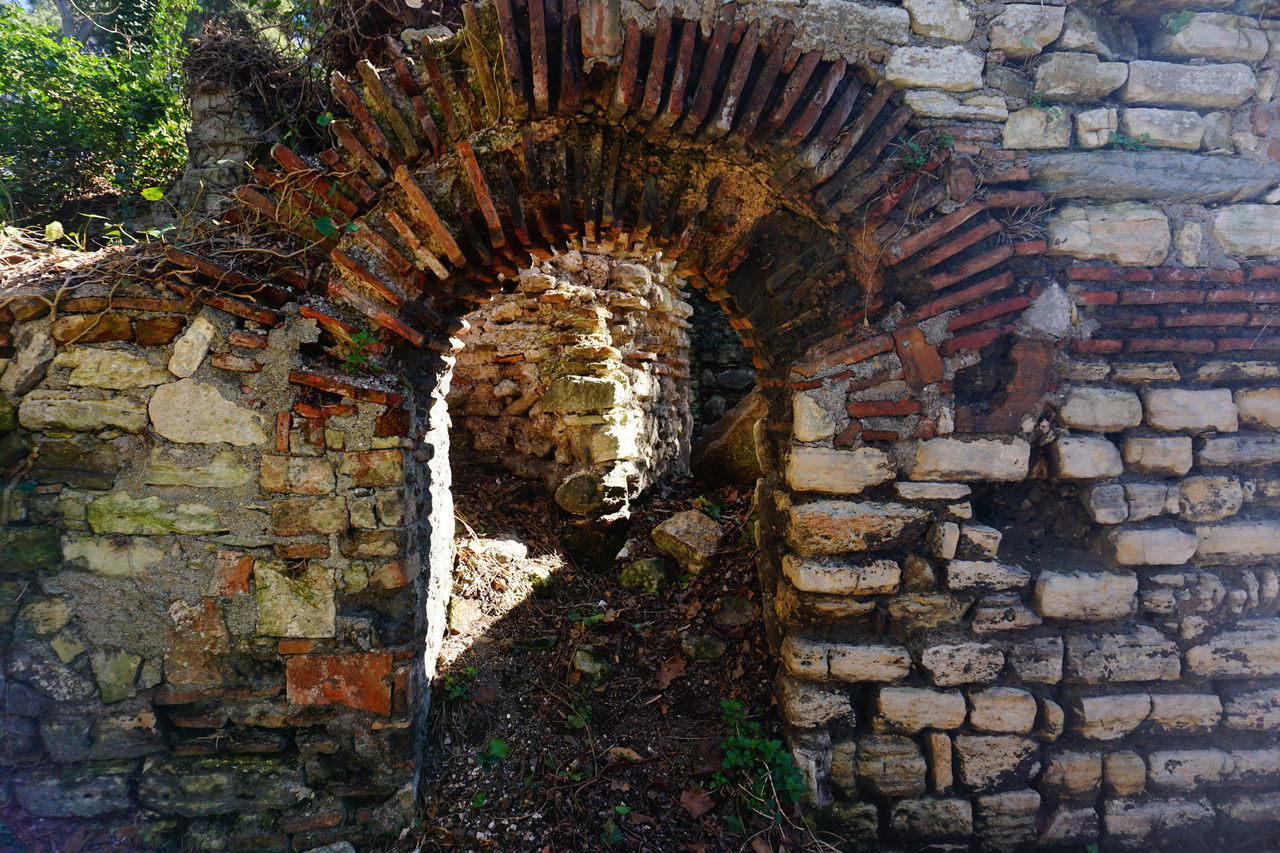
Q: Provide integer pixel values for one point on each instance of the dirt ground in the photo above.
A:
(531, 756)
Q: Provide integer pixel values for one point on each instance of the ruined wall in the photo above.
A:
(580, 378)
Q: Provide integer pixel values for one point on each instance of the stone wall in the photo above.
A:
(580, 378)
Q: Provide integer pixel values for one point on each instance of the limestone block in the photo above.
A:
(1259, 408)
(834, 527)
(1170, 456)
(305, 475)
(1126, 233)
(868, 663)
(1024, 29)
(978, 542)
(1110, 718)
(1250, 650)
(582, 394)
(806, 705)
(941, 761)
(1125, 773)
(1002, 612)
(1037, 128)
(988, 761)
(1167, 128)
(1213, 35)
(690, 537)
(973, 459)
(174, 467)
(943, 538)
(952, 68)
(64, 410)
(1086, 457)
(1095, 127)
(1085, 596)
(1088, 30)
(1101, 409)
(941, 19)
(1073, 828)
(1254, 710)
(116, 556)
(1248, 814)
(294, 603)
(189, 411)
(909, 491)
(1142, 654)
(805, 658)
(1184, 712)
(1240, 450)
(1106, 503)
(1248, 230)
(1186, 769)
(105, 368)
(1007, 821)
(309, 516)
(912, 709)
(1151, 546)
(1202, 87)
(952, 664)
(809, 420)
(120, 512)
(934, 103)
(1148, 500)
(835, 577)
(891, 765)
(1255, 767)
(57, 792)
(1209, 498)
(1238, 541)
(1078, 77)
(211, 786)
(1133, 824)
(988, 575)
(1073, 774)
(847, 472)
(190, 349)
(932, 818)
(1002, 709)
(1218, 130)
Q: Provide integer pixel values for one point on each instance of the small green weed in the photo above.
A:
(585, 621)
(477, 802)
(493, 753)
(457, 685)
(761, 767)
(611, 834)
(1121, 142)
(579, 716)
(1036, 102)
(359, 359)
(1175, 22)
(713, 507)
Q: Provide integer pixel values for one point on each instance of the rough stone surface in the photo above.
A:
(913, 709)
(1125, 233)
(975, 459)
(951, 665)
(1078, 77)
(1101, 409)
(1002, 709)
(1197, 86)
(1086, 458)
(66, 410)
(1248, 230)
(1024, 29)
(1258, 408)
(847, 472)
(1170, 456)
(1037, 128)
(987, 761)
(1152, 546)
(953, 68)
(1150, 176)
(1166, 128)
(1085, 596)
(942, 19)
(833, 527)
(189, 411)
(690, 537)
(190, 349)
(1111, 718)
(1251, 650)
(892, 766)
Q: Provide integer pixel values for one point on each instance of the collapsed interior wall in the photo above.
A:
(941, 687)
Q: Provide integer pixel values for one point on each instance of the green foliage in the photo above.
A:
(1121, 142)
(1174, 22)
(1036, 102)
(78, 119)
(611, 834)
(495, 751)
(358, 359)
(579, 716)
(457, 685)
(762, 768)
(713, 506)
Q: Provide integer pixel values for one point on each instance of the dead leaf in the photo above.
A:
(615, 754)
(696, 802)
(635, 818)
(759, 845)
(669, 670)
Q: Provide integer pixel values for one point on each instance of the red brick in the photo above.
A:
(1227, 276)
(1160, 297)
(360, 680)
(1229, 296)
(283, 423)
(1265, 271)
(921, 364)
(392, 422)
(249, 340)
(1031, 375)
(1207, 318)
(1090, 273)
(1101, 346)
(882, 408)
(231, 573)
(974, 341)
(1133, 321)
(374, 468)
(962, 297)
(1179, 274)
(91, 328)
(1266, 296)
(1138, 275)
(309, 822)
(1253, 343)
(197, 638)
(303, 551)
(849, 435)
(298, 647)
(1170, 345)
(860, 351)
(390, 576)
(926, 429)
(157, 331)
(989, 312)
(1097, 297)
(237, 363)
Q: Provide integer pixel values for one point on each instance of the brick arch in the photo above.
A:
(789, 184)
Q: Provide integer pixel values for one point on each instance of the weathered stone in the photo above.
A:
(114, 369)
(1248, 230)
(910, 710)
(115, 670)
(1085, 596)
(1255, 710)
(380, 469)
(120, 512)
(988, 761)
(647, 575)
(1170, 456)
(1094, 128)
(1144, 654)
(727, 451)
(942, 19)
(582, 394)
(1086, 457)
(1259, 407)
(1125, 233)
(1135, 825)
(1213, 35)
(909, 491)
(918, 612)
(1184, 712)
(1002, 612)
(834, 527)
(178, 467)
(190, 349)
(314, 517)
(304, 475)
(1078, 77)
(1007, 821)
(943, 538)
(294, 603)
(933, 103)
(1167, 128)
(1086, 29)
(53, 410)
(33, 351)
(1250, 650)
(978, 542)
(91, 328)
(877, 577)
(1209, 498)
(822, 469)
(191, 412)
(213, 786)
(1151, 546)
(868, 663)
(1101, 176)
(81, 792)
(1240, 450)
(953, 68)
(29, 549)
(1037, 128)
(1238, 541)
(1024, 29)
(116, 556)
(973, 459)
(690, 537)
(1002, 709)
(949, 665)
(807, 705)
(1106, 504)
(1203, 87)
(1101, 409)
(932, 819)
(809, 420)
(1073, 774)
(1247, 814)
(891, 766)
(1125, 773)
(1110, 717)
(1070, 827)
(965, 575)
